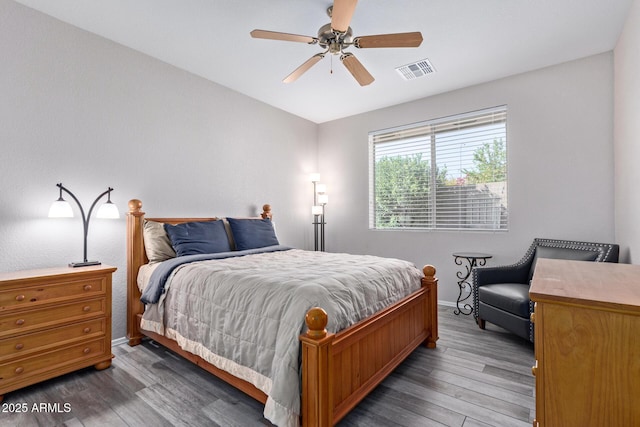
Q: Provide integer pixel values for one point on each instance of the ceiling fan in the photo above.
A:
(337, 36)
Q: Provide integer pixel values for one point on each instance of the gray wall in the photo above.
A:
(627, 134)
(81, 110)
(560, 166)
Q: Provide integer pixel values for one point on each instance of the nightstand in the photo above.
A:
(53, 321)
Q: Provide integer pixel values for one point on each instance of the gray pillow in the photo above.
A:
(156, 242)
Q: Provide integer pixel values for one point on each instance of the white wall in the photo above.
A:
(627, 137)
(81, 110)
(560, 165)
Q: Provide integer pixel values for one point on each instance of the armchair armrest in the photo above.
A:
(517, 273)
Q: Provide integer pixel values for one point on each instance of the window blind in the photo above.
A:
(448, 173)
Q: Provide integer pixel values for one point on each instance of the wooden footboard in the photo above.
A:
(338, 370)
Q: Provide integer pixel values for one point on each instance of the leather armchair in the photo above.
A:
(501, 294)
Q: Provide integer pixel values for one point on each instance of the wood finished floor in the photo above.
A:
(473, 378)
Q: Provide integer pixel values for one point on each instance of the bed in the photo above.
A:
(337, 364)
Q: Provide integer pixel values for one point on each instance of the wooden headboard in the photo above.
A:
(137, 257)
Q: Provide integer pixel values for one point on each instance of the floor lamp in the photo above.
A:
(320, 199)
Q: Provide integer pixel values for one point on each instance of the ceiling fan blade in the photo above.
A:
(356, 69)
(341, 14)
(275, 35)
(389, 40)
(303, 68)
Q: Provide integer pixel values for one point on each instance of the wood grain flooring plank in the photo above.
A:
(234, 414)
(386, 397)
(456, 399)
(480, 394)
(525, 359)
(498, 392)
(525, 380)
(446, 359)
(73, 422)
(519, 384)
(470, 422)
(174, 407)
(362, 417)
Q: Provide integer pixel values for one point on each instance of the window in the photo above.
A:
(448, 174)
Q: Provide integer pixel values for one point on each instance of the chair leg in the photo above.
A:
(481, 323)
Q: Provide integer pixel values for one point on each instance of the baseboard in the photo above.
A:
(447, 303)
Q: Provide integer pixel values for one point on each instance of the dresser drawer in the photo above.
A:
(26, 321)
(20, 370)
(50, 292)
(24, 345)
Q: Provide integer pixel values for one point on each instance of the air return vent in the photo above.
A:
(416, 69)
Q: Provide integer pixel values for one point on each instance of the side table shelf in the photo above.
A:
(469, 260)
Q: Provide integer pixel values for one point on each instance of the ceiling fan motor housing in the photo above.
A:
(334, 42)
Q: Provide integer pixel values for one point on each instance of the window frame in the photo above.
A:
(431, 129)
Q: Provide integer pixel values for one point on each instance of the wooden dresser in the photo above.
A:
(53, 321)
(587, 343)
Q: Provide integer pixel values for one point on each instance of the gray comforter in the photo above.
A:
(245, 314)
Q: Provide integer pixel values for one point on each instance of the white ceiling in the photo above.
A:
(467, 41)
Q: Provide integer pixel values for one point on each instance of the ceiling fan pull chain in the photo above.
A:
(331, 65)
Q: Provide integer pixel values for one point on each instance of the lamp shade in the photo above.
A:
(315, 177)
(316, 210)
(108, 210)
(60, 209)
(323, 199)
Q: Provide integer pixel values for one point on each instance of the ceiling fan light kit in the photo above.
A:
(337, 36)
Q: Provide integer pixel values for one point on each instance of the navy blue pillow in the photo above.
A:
(252, 233)
(198, 237)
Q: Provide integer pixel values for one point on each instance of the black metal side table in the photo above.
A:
(472, 259)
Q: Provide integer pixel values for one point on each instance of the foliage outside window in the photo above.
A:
(448, 173)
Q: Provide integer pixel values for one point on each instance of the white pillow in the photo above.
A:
(156, 242)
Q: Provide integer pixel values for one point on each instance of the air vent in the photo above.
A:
(416, 69)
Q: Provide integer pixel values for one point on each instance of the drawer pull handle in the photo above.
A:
(534, 369)
(86, 308)
(86, 330)
(86, 350)
(87, 287)
(19, 346)
(20, 322)
(20, 298)
(19, 370)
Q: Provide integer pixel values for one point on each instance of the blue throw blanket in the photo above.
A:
(155, 288)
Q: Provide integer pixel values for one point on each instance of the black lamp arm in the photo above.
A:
(85, 219)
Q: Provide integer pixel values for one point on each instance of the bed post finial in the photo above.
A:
(316, 320)
(266, 212)
(429, 271)
(135, 205)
